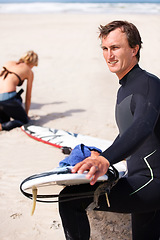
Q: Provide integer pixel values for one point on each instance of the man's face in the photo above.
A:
(120, 57)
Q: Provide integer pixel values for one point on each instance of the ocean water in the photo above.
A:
(80, 6)
(81, 1)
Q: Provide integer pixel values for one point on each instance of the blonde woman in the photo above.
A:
(13, 74)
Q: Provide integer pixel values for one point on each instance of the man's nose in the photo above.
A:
(110, 53)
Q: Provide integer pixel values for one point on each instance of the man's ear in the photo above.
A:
(135, 50)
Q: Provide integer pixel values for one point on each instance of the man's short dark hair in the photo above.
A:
(129, 29)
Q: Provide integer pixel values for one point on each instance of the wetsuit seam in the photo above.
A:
(151, 173)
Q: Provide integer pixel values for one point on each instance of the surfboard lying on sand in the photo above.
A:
(61, 138)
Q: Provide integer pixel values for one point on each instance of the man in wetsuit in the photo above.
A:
(137, 116)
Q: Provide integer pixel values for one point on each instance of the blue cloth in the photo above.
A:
(78, 154)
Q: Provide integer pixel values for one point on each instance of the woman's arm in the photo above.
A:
(29, 92)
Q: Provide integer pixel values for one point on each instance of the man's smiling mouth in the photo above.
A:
(112, 62)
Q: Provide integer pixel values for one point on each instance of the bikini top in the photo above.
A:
(5, 72)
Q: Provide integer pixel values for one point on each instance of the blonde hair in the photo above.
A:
(29, 57)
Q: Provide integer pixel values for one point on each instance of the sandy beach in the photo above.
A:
(73, 90)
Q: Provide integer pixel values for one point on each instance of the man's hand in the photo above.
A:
(95, 165)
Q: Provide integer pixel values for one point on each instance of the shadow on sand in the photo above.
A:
(42, 119)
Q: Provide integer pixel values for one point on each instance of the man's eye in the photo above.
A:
(114, 48)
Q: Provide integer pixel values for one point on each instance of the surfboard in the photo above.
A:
(37, 186)
(61, 176)
(61, 138)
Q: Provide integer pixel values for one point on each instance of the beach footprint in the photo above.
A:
(55, 225)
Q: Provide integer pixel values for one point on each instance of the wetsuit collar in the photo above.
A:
(124, 79)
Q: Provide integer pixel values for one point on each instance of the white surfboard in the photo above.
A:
(62, 176)
(41, 187)
(61, 138)
(58, 176)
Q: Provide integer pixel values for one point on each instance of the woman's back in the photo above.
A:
(12, 75)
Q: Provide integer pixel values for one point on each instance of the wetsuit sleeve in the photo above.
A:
(145, 115)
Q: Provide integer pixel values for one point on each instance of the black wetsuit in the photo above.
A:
(137, 115)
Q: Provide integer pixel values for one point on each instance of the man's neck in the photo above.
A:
(120, 76)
